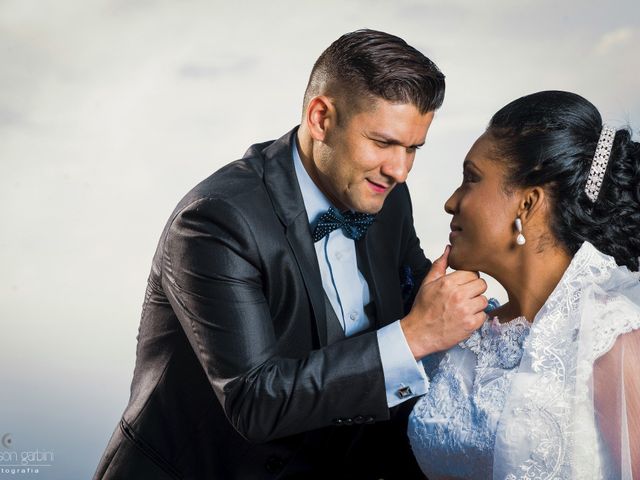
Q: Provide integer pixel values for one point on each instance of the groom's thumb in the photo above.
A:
(439, 266)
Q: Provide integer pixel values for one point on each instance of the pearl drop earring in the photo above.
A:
(520, 240)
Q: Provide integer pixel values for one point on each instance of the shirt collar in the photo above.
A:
(315, 202)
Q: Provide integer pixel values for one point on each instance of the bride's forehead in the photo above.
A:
(483, 158)
(482, 146)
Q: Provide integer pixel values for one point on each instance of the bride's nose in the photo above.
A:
(451, 205)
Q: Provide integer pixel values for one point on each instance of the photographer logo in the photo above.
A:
(20, 462)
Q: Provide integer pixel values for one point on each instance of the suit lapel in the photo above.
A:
(376, 264)
(283, 188)
(300, 242)
(366, 264)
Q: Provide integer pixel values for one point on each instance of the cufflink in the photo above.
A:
(404, 392)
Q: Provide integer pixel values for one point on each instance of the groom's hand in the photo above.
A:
(447, 309)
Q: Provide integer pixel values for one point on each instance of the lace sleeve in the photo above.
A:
(616, 376)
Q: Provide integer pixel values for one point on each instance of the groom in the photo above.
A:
(278, 337)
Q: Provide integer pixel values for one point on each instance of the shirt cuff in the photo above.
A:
(404, 377)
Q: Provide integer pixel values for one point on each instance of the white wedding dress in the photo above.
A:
(545, 400)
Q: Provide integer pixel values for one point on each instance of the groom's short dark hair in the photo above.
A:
(365, 64)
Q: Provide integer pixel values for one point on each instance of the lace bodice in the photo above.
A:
(516, 401)
(455, 422)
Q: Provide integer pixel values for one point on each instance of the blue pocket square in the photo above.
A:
(406, 281)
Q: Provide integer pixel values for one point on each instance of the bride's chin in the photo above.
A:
(454, 263)
(458, 263)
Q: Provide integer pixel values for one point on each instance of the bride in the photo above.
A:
(549, 387)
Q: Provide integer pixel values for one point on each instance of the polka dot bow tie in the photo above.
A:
(353, 225)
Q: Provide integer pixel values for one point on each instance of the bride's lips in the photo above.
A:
(378, 187)
(455, 231)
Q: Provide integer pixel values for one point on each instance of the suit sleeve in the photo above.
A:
(212, 275)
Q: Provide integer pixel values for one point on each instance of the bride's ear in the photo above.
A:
(532, 204)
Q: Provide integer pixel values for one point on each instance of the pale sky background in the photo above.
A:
(111, 110)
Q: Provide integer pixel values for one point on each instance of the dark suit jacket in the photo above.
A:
(235, 377)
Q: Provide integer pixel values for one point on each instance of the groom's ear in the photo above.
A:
(320, 117)
(533, 204)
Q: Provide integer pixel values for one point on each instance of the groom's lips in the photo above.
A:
(378, 187)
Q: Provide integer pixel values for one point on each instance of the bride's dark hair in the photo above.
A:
(549, 139)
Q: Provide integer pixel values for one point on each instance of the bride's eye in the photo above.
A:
(469, 177)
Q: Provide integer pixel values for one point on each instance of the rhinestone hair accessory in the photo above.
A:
(599, 163)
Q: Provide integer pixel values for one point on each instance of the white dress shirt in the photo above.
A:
(348, 293)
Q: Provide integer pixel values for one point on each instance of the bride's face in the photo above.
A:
(484, 212)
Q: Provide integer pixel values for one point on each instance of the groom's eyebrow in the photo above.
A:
(381, 137)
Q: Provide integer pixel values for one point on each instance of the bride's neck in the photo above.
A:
(531, 279)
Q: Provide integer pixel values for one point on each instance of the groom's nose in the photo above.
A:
(398, 165)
